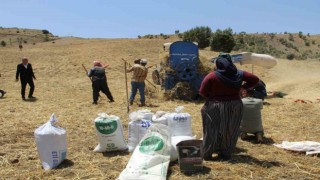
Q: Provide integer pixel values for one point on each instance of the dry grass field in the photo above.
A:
(63, 88)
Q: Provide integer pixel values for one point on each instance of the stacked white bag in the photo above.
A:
(181, 129)
(110, 133)
(51, 143)
(139, 123)
(179, 123)
(150, 159)
(160, 117)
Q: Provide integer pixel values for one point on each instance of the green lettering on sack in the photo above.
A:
(151, 144)
(106, 126)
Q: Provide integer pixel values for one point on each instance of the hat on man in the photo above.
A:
(97, 63)
(143, 61)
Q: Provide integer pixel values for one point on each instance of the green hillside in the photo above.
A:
(288, 45)
(284, 45)
(16, 36)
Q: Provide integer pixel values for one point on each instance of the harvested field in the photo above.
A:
(63, 88)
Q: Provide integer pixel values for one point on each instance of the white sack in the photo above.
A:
(179, 123)
(160, 117)
(150, 159)
(51, 143)
(141, 114)
(110, 133)
(262, 60)
(310, 147)
(174, 141)
(137, 129)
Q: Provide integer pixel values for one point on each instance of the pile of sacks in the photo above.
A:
(178, 122)
(152, 138)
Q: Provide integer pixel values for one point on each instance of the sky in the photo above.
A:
(131, 18)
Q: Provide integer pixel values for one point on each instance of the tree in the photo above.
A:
(45, 31)
(201, 35)
(290, 56)
(3, 43)
(222, 41)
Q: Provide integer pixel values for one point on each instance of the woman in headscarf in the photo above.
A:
(222, 112)
(99, 81)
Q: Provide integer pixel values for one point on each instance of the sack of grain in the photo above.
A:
(180, 123)
(110, 133)
(51, 143)
(150, 159)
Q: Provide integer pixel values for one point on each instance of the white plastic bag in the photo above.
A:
(174, 141)
(137, 129)
(179, 123)
(141, 114)
(51, 143)
(160, 117)
(150, 159)
(110, 133)
(310, 147)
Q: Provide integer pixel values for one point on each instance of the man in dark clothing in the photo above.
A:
(99, 81)
(259, 91)
(26, 77)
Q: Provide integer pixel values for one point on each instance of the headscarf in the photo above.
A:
(228, 72)
(97, 63)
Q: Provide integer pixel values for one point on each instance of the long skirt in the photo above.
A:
(221, 126)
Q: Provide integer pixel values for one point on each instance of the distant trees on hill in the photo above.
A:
(201, 35)
(222, 40)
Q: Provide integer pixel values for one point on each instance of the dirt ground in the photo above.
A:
(63, 88)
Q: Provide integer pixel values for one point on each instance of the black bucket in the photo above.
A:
(190, 155)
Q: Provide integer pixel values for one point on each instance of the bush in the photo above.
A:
(45, 31)
(222, 41)
(307, 43)
(3, 43)
(300, 34)
(290, 56)
(291, 37)
(201, 35)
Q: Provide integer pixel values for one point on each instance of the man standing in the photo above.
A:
(99, 81)
(139, 74)
(26, 77)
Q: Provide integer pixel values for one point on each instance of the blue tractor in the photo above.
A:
(179, 73)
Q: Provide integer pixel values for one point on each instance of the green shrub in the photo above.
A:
(222, 41)
(201, 35)
(290, 56)
(3, 43)
(307, 43)
(45, 31)
(291, 37)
